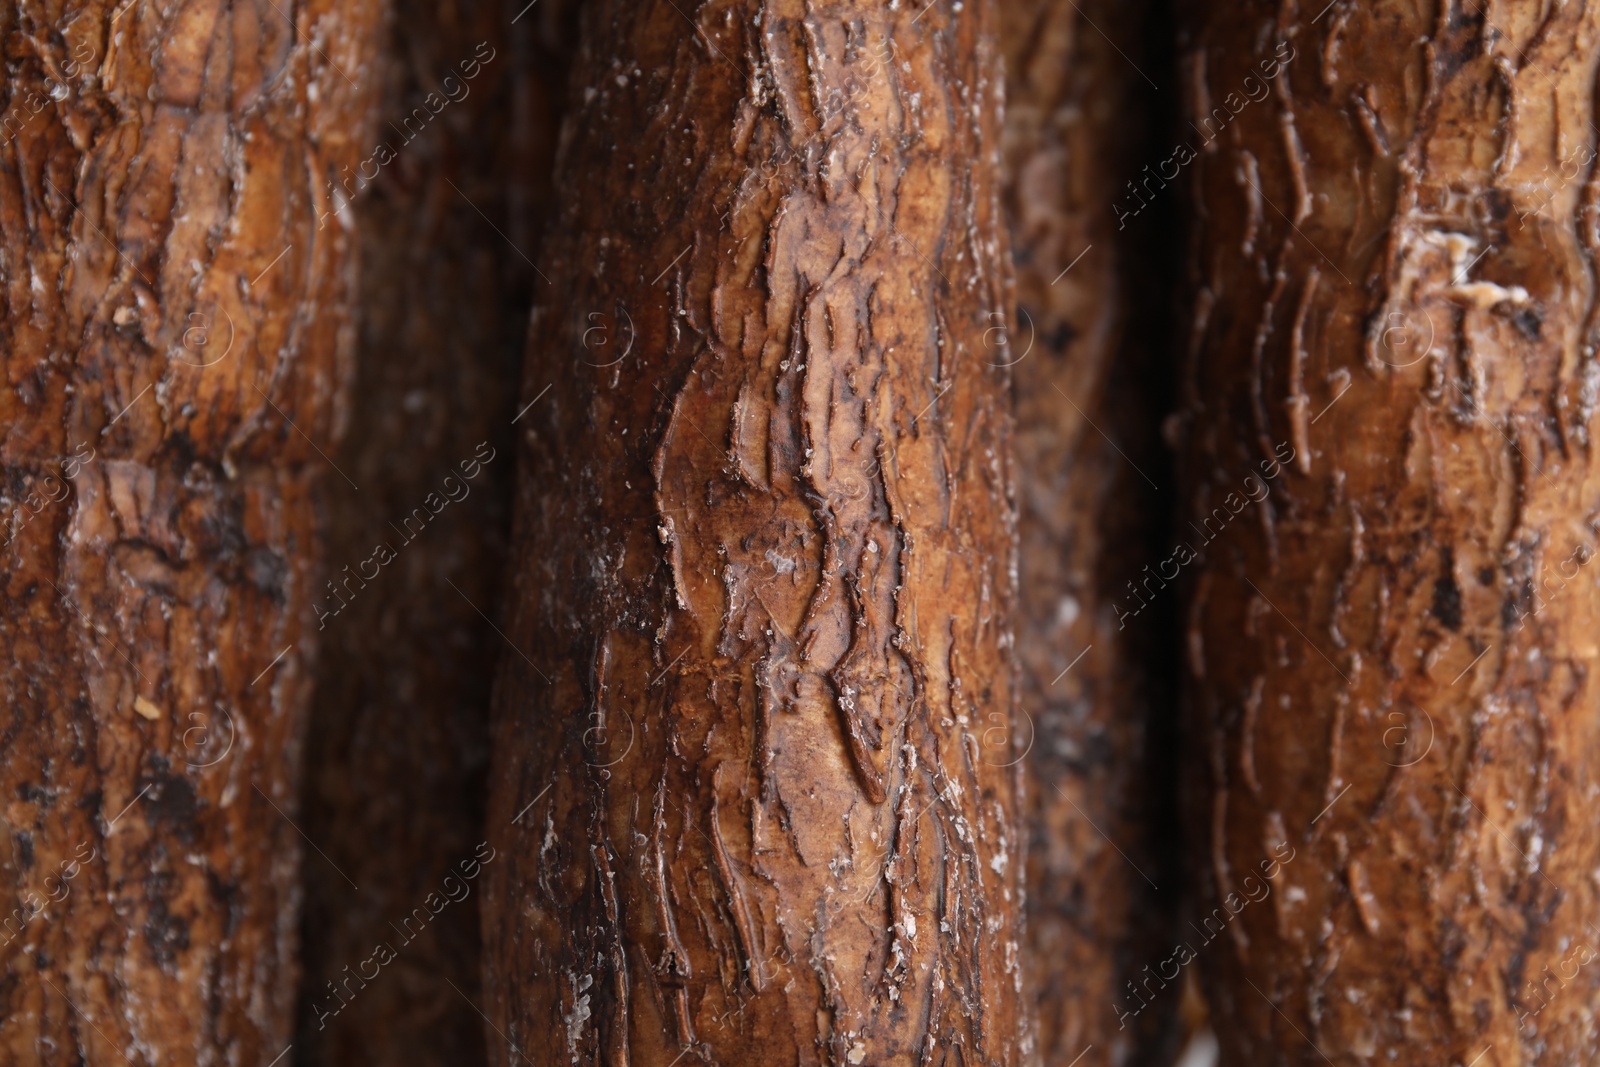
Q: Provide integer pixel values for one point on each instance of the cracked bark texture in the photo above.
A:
(397, 764)
(1392, 656)
(175, 316)
(765, 554)
(1077, 126)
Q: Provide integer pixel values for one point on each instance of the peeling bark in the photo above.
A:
(175, 316)
(398, 762)
(1077, 128)
(765, 556)
(1392, 655)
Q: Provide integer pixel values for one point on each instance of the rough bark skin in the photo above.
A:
(175, 315)
(397, 765)
(1077, 127)
(766, 556)
(1393, 653)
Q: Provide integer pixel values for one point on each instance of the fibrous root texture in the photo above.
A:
(765, 555)
(1387, 427)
